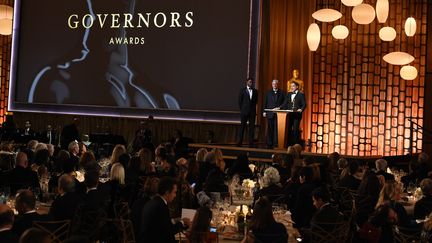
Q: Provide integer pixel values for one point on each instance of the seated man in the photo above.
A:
(21, 176)
(6, 222)
(326, 215)
(25, 203)
(381, 167)
(66, 203)
(156, 223)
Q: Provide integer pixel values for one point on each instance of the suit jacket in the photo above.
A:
(325, 216)
(156, 225)
(44, 137)
(8, 236)
(25, 221)
(22, 178)
(64, 207)
(299, 101)
(273, 100)
(95, 199)
(246, 104)
(423, 207)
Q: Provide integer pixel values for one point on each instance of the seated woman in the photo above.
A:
(390, 195)
(263, 227)
(423, 207)
(200, 229)
(271, 188)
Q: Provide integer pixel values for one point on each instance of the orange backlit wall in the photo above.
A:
(360, 104)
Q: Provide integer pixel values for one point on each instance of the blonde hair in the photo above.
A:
(117, 151)
(117, 173)
(388, 193)
(200, 154)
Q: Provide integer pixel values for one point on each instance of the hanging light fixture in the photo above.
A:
(340, 32)
(327, 15)
(351, 3)
(410, 26)
(6, 12)
(398, 58)
(382, 10)
(363, 14)
(408, 72)
(387, 33)
(5, 26)
(313, 36)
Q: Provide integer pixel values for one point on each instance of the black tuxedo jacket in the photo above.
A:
(22, 178)
(325, 216)
(246, 104)
(64, 207)
(25, 221)
(44, 137)
(299, 102)
(273, 100)
(156, 225)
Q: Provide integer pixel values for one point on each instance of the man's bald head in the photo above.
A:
(21, 160)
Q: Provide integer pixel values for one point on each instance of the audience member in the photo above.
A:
(423, 207)
(25, 203)
(67, 201)
(6, 223)
(381, 167)
(156, 224)
(263, 226)
(21, 176)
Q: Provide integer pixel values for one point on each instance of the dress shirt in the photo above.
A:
(250, 92)
(293, 95)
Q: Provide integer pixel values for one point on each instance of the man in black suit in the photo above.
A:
(70, 133)
(248, 98)
(48, 136)
(273, 99)
(25, 203)
(21, 176)
(156, 223)
(66, 203)
(95, 198)
(296, 101)
(6, 222)
(326, 215)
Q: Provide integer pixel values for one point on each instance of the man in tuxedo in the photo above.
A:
(326, 215)
(248, 98)
(21, 176)
(156, 223)
(296, 101)
(273, 99)
(27, 133)
(66, 203)
(6, 222)
(70, 133)
(48, 136)
(25, 203)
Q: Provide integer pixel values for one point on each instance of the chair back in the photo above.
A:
(122, 211)
(127, 229)
(88, 222)
(407, 235)
(323, 232)
(58, 230)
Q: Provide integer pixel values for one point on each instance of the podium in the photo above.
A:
(281, 125)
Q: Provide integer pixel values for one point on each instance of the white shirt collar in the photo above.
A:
(91, 189)
(166, 203)
(6, 228)
(31, 211)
